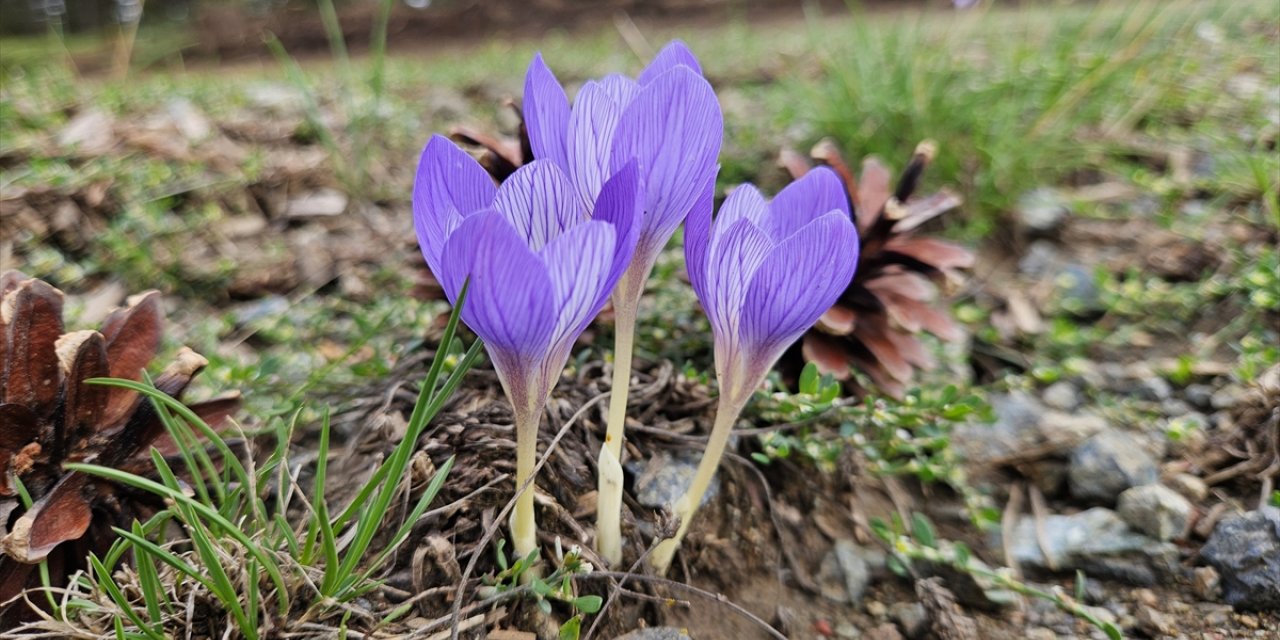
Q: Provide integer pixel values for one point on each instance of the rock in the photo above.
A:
(89, 133)
(1096, 541)
(1017, 418)
(655, 633)
(1191, 487)
(846, 572)
(970, 588)
(911, 618)
(1041, 260)
(319, 203)
(883, 632)
(1226, 397)
(1245, 549)
(1042, 210)
(1107, 464)
(876, 609)
(274, 97)
(1206, 583)
(1154, 388)
(1155, 623)
(1173, 407)
(1077, 291)
(1041, 633)
(663, 479)
(1062, 396)
(1155, 510)
(188, 120)
(1199, 395)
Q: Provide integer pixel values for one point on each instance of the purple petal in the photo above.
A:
(621, 88)
(539, 203)
(546, 113)
(449, 186)
(507, 303)
(735, 256)
(697, 239)
(796, 283)
(676, 53)
(619, 205)
(744, 202)
(673, 128)
(818, 192)
(591, 129)
(579, 263)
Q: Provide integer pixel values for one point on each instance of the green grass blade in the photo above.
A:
(108, 584)
(203, 510)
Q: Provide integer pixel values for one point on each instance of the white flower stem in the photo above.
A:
(609, 487)
(727, 413)
(524, 527)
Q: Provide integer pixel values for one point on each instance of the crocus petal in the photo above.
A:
(799, 280)
(591, 129)
(801, 202)
(697, 238)
(676, 53)
(735, 256)
(507, 304)
(578, 262)
(674, 129)
(450, 185)
(621, 88)
(619, 205)
(539, 203)
(546, 113)
(744, 202)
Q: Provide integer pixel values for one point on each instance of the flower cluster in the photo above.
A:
(614, 175)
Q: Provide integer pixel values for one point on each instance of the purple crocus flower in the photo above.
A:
(764, 272)
(541, 263)
(668, 122)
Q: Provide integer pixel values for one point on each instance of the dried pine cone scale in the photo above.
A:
(53, 416)
(873, 327)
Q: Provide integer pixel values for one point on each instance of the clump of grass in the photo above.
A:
(1021, 97)
(232, 539)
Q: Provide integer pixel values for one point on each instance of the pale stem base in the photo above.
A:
(726, 415)
(609, 487)
(524, 527)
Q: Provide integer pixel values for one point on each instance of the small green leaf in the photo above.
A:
(571, 628)
(963, 555)
(896, 566)
(809, 379)
(544, 606)
(760, 457)
(588, 604)
(922, 530)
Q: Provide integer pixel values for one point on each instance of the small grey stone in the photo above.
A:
(1199, 395)
(274, 97)
(1155, 510)
(1077, 290)
(1062, 396)
(89, 133)
(1191, 487)
(911, 618)
(318, 203)
(1226, 397)
(1042, 210)
(846, 571)
(1206, 582)
(1245, 549)
(1095, 541)
(655, 633)
(188, 120)
(885, 631)
(1172, 407)
(1154, 388)
(1042, 259)
(663, 479)
(1107, 464)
